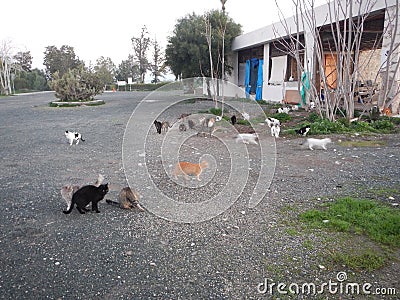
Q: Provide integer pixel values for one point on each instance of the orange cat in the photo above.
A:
(187, 168)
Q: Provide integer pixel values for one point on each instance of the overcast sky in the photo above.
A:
(105, 28)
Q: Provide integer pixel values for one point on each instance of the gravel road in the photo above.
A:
(119, 254)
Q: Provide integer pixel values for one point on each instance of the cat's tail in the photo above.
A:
(69, 210)
(111, 202)
(82, 139)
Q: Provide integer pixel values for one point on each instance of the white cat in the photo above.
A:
(320, 143)
(247, 138)
(73, 136)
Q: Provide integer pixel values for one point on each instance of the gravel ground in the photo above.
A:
(121, 254)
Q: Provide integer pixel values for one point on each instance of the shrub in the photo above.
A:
(77, 85)
(383, 125)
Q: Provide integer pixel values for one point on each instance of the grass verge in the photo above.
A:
(379, 222)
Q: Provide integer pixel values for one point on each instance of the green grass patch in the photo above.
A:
(367, 259)
(379, 222)
(243, 122)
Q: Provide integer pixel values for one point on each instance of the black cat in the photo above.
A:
(85, 195)
(303, 130)
(233, 120)
(158, 126)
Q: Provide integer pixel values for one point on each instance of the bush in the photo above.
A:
(383, 125)
(77, 85)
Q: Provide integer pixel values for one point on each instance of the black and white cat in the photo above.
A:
(85, 195)
(272, 121)
(275, 130)
(275, 126)
(73, 136)
(303, 130)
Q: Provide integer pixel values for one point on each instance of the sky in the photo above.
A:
(100, 28)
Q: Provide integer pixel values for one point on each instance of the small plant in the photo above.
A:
(216, 111)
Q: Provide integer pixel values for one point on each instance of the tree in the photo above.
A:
(23, 61)
(128, 69)
(32, 80)
(187, 52)
(60, 60)
(6, 60)
(141, 45)
(78, 84)
(105, 70)
(157, 65)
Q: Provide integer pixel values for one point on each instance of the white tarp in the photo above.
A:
(278, 71)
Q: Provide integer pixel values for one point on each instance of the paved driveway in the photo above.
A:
(131, 255)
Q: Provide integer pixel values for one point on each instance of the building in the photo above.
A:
(271, 62)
